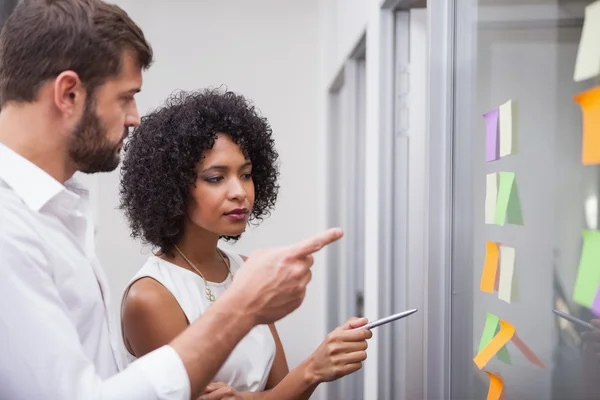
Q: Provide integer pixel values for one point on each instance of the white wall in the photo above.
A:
(346, 21)
(267, 50)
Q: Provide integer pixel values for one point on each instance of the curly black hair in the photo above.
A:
(161, 156)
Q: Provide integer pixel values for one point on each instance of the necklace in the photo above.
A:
(207, 291)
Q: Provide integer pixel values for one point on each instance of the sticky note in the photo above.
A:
(527, 351)
(508, 128)
(491, 135)
(502, 354)
(506, 333)
(491, 329)
(507, 288)
(588, 275)
(589, 101)
(596, 304)
(588, 55)
(508, 204)
(490, 268)
(491, 195)
(496, 386)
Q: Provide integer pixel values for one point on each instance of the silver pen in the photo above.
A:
(386, 320)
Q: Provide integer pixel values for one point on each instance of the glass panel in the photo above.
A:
(524, 51)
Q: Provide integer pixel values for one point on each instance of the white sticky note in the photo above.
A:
(491, 194)
(507, 289)
(588, 55)
(508, 136)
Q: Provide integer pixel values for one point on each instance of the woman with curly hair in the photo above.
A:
(197, 170)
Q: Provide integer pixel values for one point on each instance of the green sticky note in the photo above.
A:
(508, 204)
(505, 184)
(513, 212)
(588, 276)
(491, 328)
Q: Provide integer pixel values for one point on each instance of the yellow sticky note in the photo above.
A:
(490, 268)
(589, 101)
(506, 333)
(508, 128)
(588, 55)
(496, 386)
(491, 195)
(507, 287)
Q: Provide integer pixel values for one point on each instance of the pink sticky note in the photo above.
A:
(596, 304)
(491, 135)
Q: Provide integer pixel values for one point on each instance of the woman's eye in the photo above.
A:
(247, 176)
(214, 179)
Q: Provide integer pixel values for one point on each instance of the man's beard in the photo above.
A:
(90, 149)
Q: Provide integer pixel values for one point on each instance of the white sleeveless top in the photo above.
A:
(248, 366)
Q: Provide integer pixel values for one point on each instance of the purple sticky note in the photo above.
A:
(491, 135)
(596, 303)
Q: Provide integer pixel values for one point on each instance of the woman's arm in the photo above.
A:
(280, 367)
(151, 317)
(341, 353)
(296, 385)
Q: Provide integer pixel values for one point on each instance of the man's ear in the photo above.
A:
(69, 92)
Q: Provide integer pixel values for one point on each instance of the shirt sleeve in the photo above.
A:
(42, 356)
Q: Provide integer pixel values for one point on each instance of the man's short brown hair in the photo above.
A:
(43, 38)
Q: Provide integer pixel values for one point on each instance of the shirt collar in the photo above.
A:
(31, 183)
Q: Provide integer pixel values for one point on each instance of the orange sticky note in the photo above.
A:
(506, 333)
(589, 101)
(496, 386)
(527, 351)
(490, 268)
(497, 282)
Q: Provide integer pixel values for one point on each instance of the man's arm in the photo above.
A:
(42, 356)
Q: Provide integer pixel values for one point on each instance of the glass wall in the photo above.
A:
(525, 205)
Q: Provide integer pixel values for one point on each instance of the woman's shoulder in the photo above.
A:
(145, 282)
(146, 277)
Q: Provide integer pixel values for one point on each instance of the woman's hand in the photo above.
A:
(591, 361)
(591, 344)
(220, 391)
(341, 353)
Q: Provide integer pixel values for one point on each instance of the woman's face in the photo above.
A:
(222, 199)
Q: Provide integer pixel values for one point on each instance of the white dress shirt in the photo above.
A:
(58, 339)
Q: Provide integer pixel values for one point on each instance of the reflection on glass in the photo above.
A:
(525, 51)
(591, 212)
